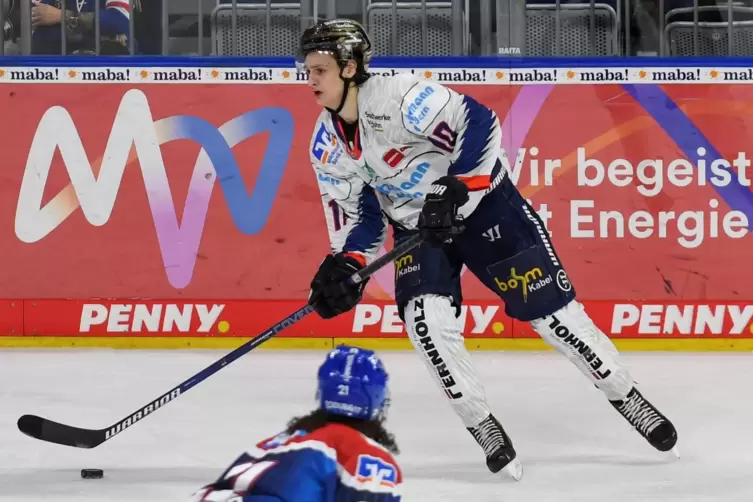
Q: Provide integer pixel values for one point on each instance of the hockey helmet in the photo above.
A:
(345, 39)
(352, 382)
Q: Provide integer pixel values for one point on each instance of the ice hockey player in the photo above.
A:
(340, 452)
(411, 153)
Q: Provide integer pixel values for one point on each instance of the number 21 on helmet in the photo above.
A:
(353, 382)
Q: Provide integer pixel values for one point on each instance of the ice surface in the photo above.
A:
(573, 445)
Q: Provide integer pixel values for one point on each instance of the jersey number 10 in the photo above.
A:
(444, 137)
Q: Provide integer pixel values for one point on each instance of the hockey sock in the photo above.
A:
(572, 332)
(435, 333)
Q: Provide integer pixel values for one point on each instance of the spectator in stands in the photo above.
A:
(644, 28)
(147, 27)
(46, 17)
(12, 18)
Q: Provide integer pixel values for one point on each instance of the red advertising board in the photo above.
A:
(370, 319)
(199, 193)
(11, 317)
(236, 318)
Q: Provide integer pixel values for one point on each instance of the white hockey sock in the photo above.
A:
(572, 332)
(436, 334)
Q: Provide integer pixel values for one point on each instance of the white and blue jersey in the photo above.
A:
(410, 132)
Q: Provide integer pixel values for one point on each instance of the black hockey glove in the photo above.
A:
(438, 220)
(331, 292)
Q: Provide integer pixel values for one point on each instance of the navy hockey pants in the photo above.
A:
(505, 245)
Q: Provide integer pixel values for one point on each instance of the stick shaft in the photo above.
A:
(54, 432)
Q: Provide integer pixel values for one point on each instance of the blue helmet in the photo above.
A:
(353, 383)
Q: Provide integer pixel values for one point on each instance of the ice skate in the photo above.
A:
(500, 454)
(648, 421)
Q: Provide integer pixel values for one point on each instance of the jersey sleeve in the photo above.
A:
(262, 476)
(468, 132)
(355, 222)
(236, 482)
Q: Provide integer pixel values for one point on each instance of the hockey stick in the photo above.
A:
(54, 432)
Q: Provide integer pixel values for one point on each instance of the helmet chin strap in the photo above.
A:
(346, 89)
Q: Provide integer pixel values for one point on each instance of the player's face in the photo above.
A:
(324, 79)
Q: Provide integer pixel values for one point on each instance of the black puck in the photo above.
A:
(92, 473)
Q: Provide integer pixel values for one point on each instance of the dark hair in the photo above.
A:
(361, 75)
(373, 429)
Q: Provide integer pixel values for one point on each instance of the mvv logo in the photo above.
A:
(95, 187)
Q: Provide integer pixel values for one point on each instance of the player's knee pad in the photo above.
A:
(435, 332)
(572, 332)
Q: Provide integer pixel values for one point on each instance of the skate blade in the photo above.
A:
(514, 469)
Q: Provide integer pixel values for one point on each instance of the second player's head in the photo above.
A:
(352, 382)
(336, 54)
(352, 390)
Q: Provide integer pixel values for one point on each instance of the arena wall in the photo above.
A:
(170, 202)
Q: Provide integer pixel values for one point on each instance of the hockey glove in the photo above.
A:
(331, 292)
(438, 219)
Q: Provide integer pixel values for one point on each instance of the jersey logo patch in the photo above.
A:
(422, 104)
(328, 179)
(375, 470)
(326, 148)
(406, 188)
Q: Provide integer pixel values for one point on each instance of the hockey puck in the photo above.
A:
(92, 473)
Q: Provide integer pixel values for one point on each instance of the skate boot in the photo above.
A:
(497, 447)
(648, 421)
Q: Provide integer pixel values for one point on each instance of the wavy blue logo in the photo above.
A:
(134, 127)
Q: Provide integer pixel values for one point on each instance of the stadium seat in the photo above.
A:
(575, 29)
(714, 28)
(440, 31)
(252, 36)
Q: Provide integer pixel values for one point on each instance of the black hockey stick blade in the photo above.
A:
(67, 435)
(54, 432)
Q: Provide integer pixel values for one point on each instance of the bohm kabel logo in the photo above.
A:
(529, 282)
(404, 265)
